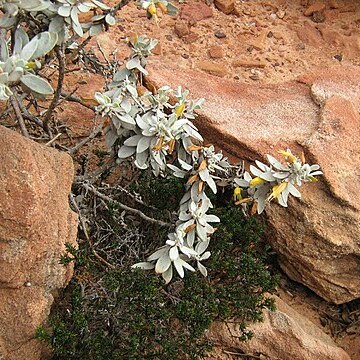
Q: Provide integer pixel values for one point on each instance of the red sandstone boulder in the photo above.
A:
(35, 224)
(284, 334)
(317, 238)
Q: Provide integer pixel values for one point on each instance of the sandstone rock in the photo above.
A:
(247, 63)
(260, 41)
(212, 68)
(216, 52)
(317, 238)
(317, 6)
(35, 224)
(181, 29)
(284, 334)
(226, 6)
(308, 34)
(195, 11)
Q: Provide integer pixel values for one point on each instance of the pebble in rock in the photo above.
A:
(220, 34)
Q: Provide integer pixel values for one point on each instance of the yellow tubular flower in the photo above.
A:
(31, 65)
(180, 110)
(152, 9)
(163, 8)
(277, 190)
(256, 181)
(288, 156)
(237, 194)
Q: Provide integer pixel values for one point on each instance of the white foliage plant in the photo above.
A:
(22, 55)
(156, 130)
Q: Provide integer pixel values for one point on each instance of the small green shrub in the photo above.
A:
(132, 314)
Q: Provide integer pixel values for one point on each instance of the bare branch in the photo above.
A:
(125, 207)
(93, 135)
(59, 51)
(83, 226)
(74, 98)
(20, 119)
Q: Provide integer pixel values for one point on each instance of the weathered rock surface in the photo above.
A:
(317, 238)
(35, 224)
(284, 334)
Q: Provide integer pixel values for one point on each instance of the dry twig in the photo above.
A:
(125, 207)
(20, 119)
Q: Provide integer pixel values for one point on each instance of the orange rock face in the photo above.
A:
(284, 334)
(317, 238)
(35, 224)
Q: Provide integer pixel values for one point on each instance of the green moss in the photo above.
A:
(126, 314)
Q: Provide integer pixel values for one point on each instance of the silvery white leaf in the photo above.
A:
(158, 253)
(283, 197)
(141, 160)
(255, 171)
(37, 84)
(191, 238)
(202, 269)
(260, 205)
(126, 151)
(281, 175)
(4, 51)
(261, 165)
(178, 267)
(205, 255)
(211, 218)
(317, 173)
(268, 176)
(127, 119)
(210, 181)
(21, 39)
(29, 49)
(204, 174)
(46, 42)
(110, 20)
(101, 5)
(133, 63)
(143, 144)
(168, 274)
(242, 183)
(162, 264)
(95, 30)
(133, 140)
(184, 165)
(64, 10)
(188, 251)
(201, 232)
(173, 253)
(83, 7)
(293, 190)
(276, 164)
(201, 246)
(143, 266)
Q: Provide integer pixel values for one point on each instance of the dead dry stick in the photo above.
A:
(125, 207)
(59, 51)
(83, 225)
(93, 135)
(53, 139)
(241, 355)
(74, 98)
(20, 119)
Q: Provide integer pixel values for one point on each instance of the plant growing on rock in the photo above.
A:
(155, 128)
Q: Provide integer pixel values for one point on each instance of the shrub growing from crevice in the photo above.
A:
(132, 314)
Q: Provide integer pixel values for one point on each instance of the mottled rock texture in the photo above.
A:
(317, 238)
(284, 334)
(35, 224)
